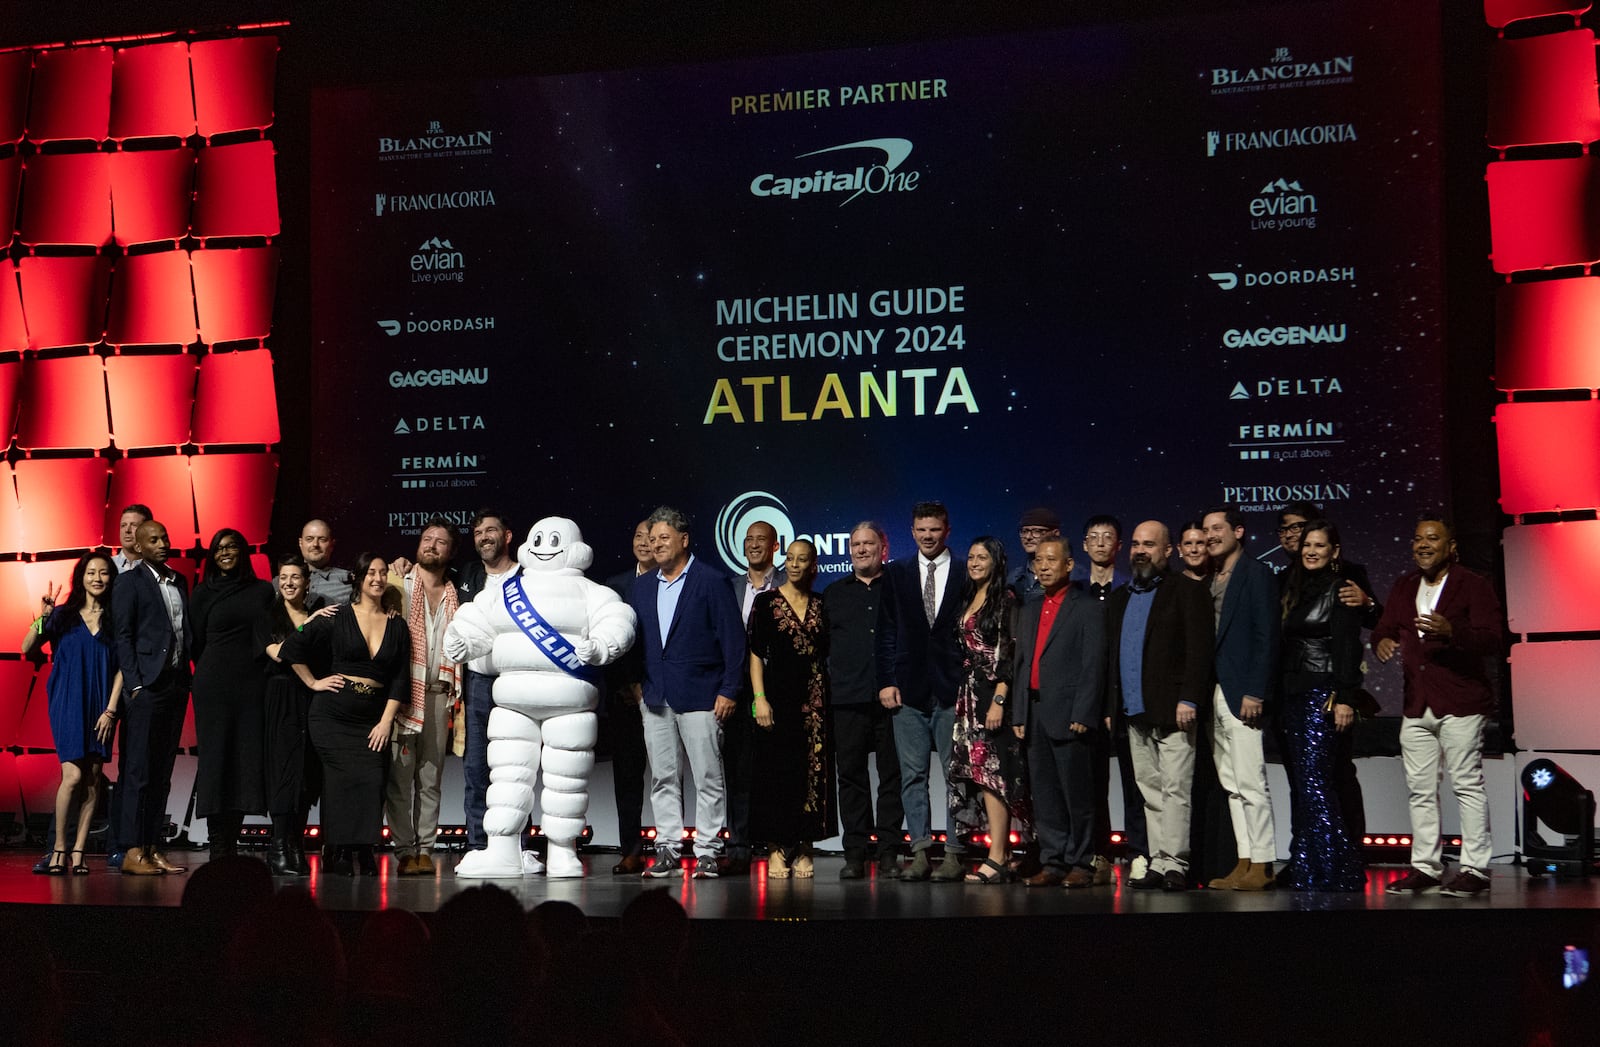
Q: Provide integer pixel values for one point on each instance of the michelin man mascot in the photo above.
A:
(547, 630)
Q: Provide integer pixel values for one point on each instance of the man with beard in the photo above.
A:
(416, 750)
(491, 538)
(738, 730)
(1443, 621)
(1244, 596)
(1037, 525)
(1159, 629)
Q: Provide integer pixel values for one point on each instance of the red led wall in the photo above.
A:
(1544, 193)
(137, 240)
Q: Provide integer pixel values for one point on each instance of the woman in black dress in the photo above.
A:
(230, 683)
(294, 777)
(352, 710)
(791, 793)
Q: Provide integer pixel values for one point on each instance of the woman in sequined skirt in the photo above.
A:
(1321, 672)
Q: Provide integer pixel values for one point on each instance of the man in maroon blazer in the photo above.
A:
(1443, 621)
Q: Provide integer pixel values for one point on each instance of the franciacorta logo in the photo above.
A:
(877, 177)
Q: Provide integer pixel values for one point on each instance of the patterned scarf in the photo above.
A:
(411, 719)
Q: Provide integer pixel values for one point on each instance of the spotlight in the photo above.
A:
(1556, 802)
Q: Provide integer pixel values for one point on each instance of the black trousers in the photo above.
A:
(860, 730)
(629, 762)
(152, 729)
(1135, 839)
(738, 768)
(1064, 791)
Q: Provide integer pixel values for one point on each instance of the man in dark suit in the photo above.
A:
(919, 670)
(1244, 595)
(623, 723)
(1160, 677)
(739, 730)
(694, 656)
(150, 613)
(1059, 678)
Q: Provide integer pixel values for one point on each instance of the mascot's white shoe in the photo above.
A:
(531, 865)
(498, 861)
(563, 860)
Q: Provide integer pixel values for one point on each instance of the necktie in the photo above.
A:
(928, 607)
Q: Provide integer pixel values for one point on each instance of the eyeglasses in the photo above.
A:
(1291, 528)
(1100, 539)
(1036, 532)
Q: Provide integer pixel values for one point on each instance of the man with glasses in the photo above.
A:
(1037, 525)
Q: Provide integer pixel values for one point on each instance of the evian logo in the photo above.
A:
(881, 175)
(1283, 204)
(735, 518)
(436, 142)
(1283, 72)
(437, 261)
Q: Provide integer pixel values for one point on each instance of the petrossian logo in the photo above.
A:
(436, 143)
(877, 177)
(1227, 281)
(1282, 73)
(437, 261)
(1321, 334)
(437, 377)
(735, 518)
(405, 203)
(454, 324)
(1278, 138)
(1283, 205)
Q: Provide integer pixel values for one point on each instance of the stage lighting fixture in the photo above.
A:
(1556, 802)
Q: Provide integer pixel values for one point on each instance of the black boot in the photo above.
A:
(278, 859)
(222, 829)
(366, 863)
(297, 845)
(336, 861)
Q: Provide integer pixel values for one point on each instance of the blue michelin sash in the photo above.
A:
(545, 636)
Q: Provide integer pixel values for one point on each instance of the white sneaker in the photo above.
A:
(531, 865)
(1139, 868)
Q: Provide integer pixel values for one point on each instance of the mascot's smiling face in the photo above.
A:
(555, 544)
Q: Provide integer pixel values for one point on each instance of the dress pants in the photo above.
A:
(917, 732)
(477, 697)
(701, 738)
(1242, 771)
(738, 765)
(1460, 740)
(152, 729)
(416, 765)
(629, 762)
(1064, 798)
(860, 730)
(1163, 760)
(1135, 837)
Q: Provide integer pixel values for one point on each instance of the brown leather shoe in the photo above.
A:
(1045, 878)
(1079, 878)
(134, 863)
(1258, 877)
(1102, 870)
(424, 864)
(160, 861)
(408, 865)
(631, 865)
(1228, 882)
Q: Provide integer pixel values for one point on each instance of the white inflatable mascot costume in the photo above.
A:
(547, 630)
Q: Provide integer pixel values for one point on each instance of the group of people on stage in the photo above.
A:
(334, 684)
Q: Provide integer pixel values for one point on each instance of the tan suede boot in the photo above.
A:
(1258, 877)
(1230, 881)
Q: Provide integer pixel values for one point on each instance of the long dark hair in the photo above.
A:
(1299, 579)
(245, 572)
(77, 596)
(278, 617)
(993, 615)
(391, 599)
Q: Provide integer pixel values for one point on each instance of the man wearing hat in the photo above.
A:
(1037, 525)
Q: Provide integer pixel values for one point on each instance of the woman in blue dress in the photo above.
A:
(85, 690)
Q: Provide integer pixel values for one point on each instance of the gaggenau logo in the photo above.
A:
(437, 376)
(1313, 334)
(881, 175)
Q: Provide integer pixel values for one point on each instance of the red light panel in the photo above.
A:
(10, 517)
(151, 398)
(1552, 575)
(235, 490)
(151, 194)
(236, 191)
(150, 93)
(1533, 477)
(18, 607)
(38, 778)
(237, 402)
(1545, 335)
(1501, 13)
(13, 324)
(64, 300)
(63, 404)
(162, 483)
(10, 183)
(1536, 210)
(67, 200)
(41, 575)
(233, 83)
(1542, 91)
(71, 94)
(10, 787)
(152, 301)
(62, 501)
(34, 731)
(1554, 711)
(15, 679)
(16, 69)
(234, 291)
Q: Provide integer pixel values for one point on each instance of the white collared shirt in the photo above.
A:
(941, 576)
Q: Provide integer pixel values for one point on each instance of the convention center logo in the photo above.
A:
(877, 172)
(735, 518)
(437, 143)
(416, 203)
(446, 325)
(1282, 204)
(1270, 388)
(437, 261)
(1282, 72)
(1219, 142)
(1311, 334)
(1227, 280)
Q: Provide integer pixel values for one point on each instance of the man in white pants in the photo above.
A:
(1443, 621)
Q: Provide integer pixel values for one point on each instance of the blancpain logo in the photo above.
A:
(1227, 281)
(1278, 138)
(451, 325)
(438, 377)
(1282, 204)
(405, 203)
(1282, 73)
(437, 143)
(882, 176)
(455, 423)
(1267, 388)
(1318, 334)
(437, 261)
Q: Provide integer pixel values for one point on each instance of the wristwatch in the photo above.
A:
(999, 699)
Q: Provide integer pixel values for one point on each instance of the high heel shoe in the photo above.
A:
(79, 867)
(777, 864)
(54, 868)
(803, 867)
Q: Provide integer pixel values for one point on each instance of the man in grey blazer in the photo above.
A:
(1059, 679)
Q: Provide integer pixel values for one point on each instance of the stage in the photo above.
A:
(824, 960)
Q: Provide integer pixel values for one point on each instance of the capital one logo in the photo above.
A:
(882, 176)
